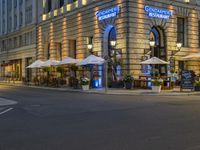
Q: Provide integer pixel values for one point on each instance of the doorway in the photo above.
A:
(159, 50)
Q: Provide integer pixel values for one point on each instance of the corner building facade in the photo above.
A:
(66, 28)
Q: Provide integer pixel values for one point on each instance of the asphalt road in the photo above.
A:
(53, 120)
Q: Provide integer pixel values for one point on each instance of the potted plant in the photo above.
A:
(85, 83)
(128, 81)
(156, 85)
(197, 85)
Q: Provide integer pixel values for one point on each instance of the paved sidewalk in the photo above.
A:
(137, 92)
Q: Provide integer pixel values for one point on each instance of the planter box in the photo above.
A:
(197, 88)
(85, 87)
(156, 89)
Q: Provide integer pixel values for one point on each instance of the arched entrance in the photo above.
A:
(114, 68)
(159, 50)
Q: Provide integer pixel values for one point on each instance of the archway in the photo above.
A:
(159, 50)
(114, 69)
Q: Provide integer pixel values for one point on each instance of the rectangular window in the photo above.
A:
(181, 30)
(72, 48)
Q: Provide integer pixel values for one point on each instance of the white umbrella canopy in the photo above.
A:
(69, 60)
(92, 60)
(50, 62)
(36, 64)
(192, 57)
(154, 61)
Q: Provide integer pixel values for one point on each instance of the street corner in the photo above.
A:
(7, 102)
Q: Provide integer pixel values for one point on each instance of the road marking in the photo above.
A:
(5, 111)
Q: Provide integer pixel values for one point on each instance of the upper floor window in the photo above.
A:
(181, 31)
(61, 3)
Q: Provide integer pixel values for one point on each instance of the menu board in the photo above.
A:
(187, 79)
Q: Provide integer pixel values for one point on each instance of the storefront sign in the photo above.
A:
(187, 79)
(158, 13)
(108, 13)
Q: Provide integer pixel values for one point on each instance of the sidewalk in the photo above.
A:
(135, 92)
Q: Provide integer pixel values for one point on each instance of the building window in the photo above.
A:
(20, 19)
(58, 51)
(61, 3)
(15, 22)
(49, 5)
(72, 48)
(181, 30)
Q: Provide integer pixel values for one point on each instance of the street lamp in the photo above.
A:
(178, 46)
(152, 42)
(113, 43)
(90, 46)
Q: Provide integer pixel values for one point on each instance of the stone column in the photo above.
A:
(23, 67)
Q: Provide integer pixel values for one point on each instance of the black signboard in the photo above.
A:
(187, 79)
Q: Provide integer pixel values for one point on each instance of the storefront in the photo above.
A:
(125, 32)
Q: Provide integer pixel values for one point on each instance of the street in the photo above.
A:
(58, 120)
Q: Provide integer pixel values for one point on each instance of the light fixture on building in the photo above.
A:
(90, 46)
(152, 43)
(187, 1)
(113, 43)
(179, 45)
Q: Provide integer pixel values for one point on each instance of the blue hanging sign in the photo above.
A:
(158, 13)
(108, 13)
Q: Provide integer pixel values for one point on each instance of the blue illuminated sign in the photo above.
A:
(158, 13)
(108, 13)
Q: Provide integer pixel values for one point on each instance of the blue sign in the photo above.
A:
(108, 13)
(158, 13)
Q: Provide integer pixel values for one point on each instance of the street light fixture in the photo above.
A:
(152, 43)
(90, 46)
(178, 46)
(113, 43)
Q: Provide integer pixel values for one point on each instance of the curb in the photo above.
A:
(108, 93)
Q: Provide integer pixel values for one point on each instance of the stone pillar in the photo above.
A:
(52, 42)
(23, 67)
(192, 29)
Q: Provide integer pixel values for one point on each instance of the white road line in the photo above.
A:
(5, 111)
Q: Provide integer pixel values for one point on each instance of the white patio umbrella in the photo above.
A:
(154, 61)
(92, 60)
(36, 64)
(50, 63)
(69, 60)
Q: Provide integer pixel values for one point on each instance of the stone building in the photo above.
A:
(66, 28)
(18, 19)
